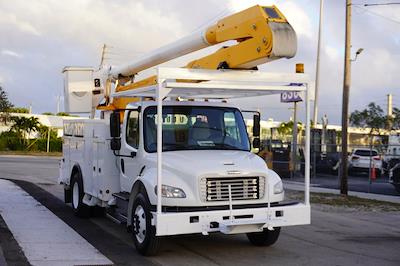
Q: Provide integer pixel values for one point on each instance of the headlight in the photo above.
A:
(278, 188)
(171, 192)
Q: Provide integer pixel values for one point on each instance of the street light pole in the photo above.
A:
(315, 116)
(345, 100)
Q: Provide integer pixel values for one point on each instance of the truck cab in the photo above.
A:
(205, 148)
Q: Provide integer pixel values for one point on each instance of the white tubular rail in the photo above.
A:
(257, 84)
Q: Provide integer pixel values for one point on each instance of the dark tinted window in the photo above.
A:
(132, 130)
(365, 153)
(271, 12)
(196, 128)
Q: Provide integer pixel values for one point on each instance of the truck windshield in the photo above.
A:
(196, 128)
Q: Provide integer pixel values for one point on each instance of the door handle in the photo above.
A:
(122, 166)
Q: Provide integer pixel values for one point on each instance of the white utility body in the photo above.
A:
(205, 188)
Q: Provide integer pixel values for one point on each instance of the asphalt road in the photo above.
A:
(335, 237)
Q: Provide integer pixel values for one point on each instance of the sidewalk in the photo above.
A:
(43, 237)
(293, 185)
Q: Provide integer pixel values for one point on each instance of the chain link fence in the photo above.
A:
(376, 161)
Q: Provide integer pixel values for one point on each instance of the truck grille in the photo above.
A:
(242, 188)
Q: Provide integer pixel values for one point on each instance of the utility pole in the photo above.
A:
(389, 111)
(299, 69)
(345, 100)
(58, 104)
(103, 52)
(315, 116)
(48, 140)
(294, 141)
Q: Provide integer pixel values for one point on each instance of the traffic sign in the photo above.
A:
(291, 96)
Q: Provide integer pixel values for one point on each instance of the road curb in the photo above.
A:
(292, 185)
(10, 251)
(30, 156)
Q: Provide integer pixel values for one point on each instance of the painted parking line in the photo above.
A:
(44, 238)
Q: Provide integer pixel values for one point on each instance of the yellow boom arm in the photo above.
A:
(262, 34)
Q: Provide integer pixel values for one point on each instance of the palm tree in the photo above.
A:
(24, 126)
(286, 128)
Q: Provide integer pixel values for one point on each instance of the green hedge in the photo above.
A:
(10, 141)
(41, 145)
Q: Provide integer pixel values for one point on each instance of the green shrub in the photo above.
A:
(41, 145)
(11, 141)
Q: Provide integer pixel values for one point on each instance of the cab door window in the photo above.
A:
(132, 129)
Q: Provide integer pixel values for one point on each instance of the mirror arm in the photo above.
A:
(133, 154)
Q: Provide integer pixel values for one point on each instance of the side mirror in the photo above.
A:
(115, 125)
(256, 143)
(115, 131)
(256, 125)
(115, 144)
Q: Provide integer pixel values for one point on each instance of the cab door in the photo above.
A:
(129, 163)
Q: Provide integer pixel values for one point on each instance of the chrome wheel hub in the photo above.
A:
(140, 224)
(75, 195)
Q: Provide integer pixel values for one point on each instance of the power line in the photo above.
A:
(383, 4)
(378, 15)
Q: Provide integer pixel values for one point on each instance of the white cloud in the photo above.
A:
(73, 33)
(294, 13)
(11, 53)
(298, 18)
(236, 6)
(332, 52)
(11, 20)
(381, 67)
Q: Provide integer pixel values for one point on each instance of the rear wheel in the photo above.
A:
(80, 208)
(264, 238)
(144, 234)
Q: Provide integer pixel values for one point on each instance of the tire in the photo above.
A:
(143, 233)
(265, 238)
(80, 209)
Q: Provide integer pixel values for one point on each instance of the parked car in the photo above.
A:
(394, 177)
(360, 159)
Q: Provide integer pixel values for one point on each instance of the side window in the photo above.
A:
(132, 129)
(230, 125)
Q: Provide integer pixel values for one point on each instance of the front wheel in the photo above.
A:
(264, 238)
(144, 234)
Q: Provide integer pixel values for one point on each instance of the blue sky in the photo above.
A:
(40, 37)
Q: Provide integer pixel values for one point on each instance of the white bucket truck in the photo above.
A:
(177, 159)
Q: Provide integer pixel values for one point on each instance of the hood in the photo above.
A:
(212, 162)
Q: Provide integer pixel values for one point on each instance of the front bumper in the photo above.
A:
(231, 221)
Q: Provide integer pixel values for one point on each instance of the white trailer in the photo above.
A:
(189, 170)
